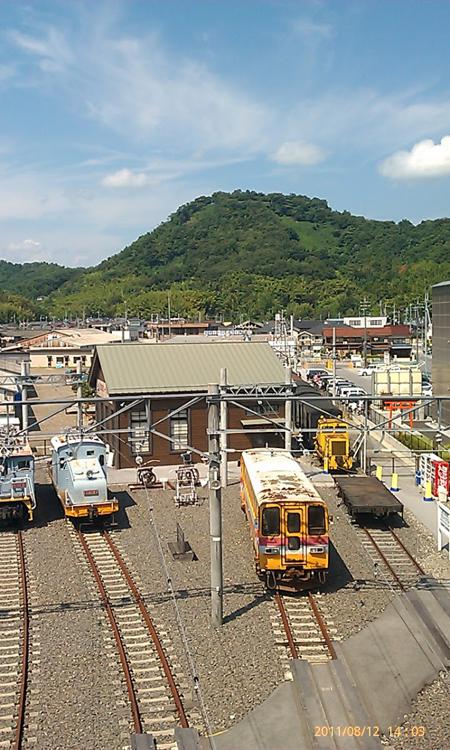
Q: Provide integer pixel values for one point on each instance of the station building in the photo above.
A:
(441, 346)
(169, 375)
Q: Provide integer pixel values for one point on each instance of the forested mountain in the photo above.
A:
(23, 284)
(249, 253)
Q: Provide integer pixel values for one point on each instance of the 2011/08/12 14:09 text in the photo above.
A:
(368, 731)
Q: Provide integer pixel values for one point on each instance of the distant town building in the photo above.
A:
(393, 339)
(63, 347)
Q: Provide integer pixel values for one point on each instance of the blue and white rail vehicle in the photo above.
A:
(17, 492)
(78, 472)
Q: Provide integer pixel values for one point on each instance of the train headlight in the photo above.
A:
(317, 550)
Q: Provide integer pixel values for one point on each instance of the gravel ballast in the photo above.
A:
(237, 665)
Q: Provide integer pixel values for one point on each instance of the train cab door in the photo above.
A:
(293, 538)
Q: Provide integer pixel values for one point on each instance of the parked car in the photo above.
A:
(342, 387)
(338, 384)
(427, 389)
(352, 392)
(368, 370)
(311, 372)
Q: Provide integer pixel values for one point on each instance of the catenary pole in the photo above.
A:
(24, 371)
(215, 507)
(223, 428)
(288, 412)
(80, 394)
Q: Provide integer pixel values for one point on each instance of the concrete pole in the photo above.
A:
(366, 435)
(334, 362)
(288, 411)
(215, 509)
(79, 395)
(24, 371)
(223, 427)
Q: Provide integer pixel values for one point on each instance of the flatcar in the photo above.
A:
(365, 496)
(78, 472)
(287, 517)
(17, 488)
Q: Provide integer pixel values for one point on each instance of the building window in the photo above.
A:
(179, 430)
(139, 432)
(49, 360)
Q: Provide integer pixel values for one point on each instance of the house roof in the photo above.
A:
(358, 333)
(184, 367)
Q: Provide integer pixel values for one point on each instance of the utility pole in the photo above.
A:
(169, 314)
(364, 305)
(223, 429)
(215, 508)
(334, 362)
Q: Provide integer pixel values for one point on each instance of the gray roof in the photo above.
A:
(185, 367)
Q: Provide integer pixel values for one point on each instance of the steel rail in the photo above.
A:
(18, 738)
(384, 558)
(151, 628)
(407, 552)
(286, 625)
(322, 625)
(137, 721)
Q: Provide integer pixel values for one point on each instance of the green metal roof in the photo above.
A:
(186, 367)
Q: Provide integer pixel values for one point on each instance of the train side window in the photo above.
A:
(101, 459)
(271, 521)
(294, 542)
(293, 522)
(316, 520)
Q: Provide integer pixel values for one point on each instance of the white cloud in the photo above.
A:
(309, 28)
(125, 178)
(425, 159)
(24, 251)
(293, 153)
(51, 48)
(137, 88)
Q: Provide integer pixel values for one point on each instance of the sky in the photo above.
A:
(112, 114)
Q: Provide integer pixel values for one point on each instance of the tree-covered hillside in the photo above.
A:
(25, 288)
(250, 254)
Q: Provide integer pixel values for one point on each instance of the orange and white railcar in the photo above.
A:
(288, 520)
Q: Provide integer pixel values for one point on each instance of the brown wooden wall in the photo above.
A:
(161, 449)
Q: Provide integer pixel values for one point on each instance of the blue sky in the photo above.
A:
(113, 114)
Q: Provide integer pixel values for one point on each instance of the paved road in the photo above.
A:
(351, 373)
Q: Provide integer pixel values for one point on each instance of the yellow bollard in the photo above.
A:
(394, 482)
(325, 464)
(379, 472)
(428, 496)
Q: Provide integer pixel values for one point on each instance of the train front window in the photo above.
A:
(316, 520)
(293, 522)
(271, 521)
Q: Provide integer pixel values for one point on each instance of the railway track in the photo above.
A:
(300, 629)
(385, 548)
(15, 645)
(145, 655)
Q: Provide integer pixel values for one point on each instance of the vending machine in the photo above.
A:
(434, 470)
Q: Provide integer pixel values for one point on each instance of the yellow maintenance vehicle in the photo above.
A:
(332, 444)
